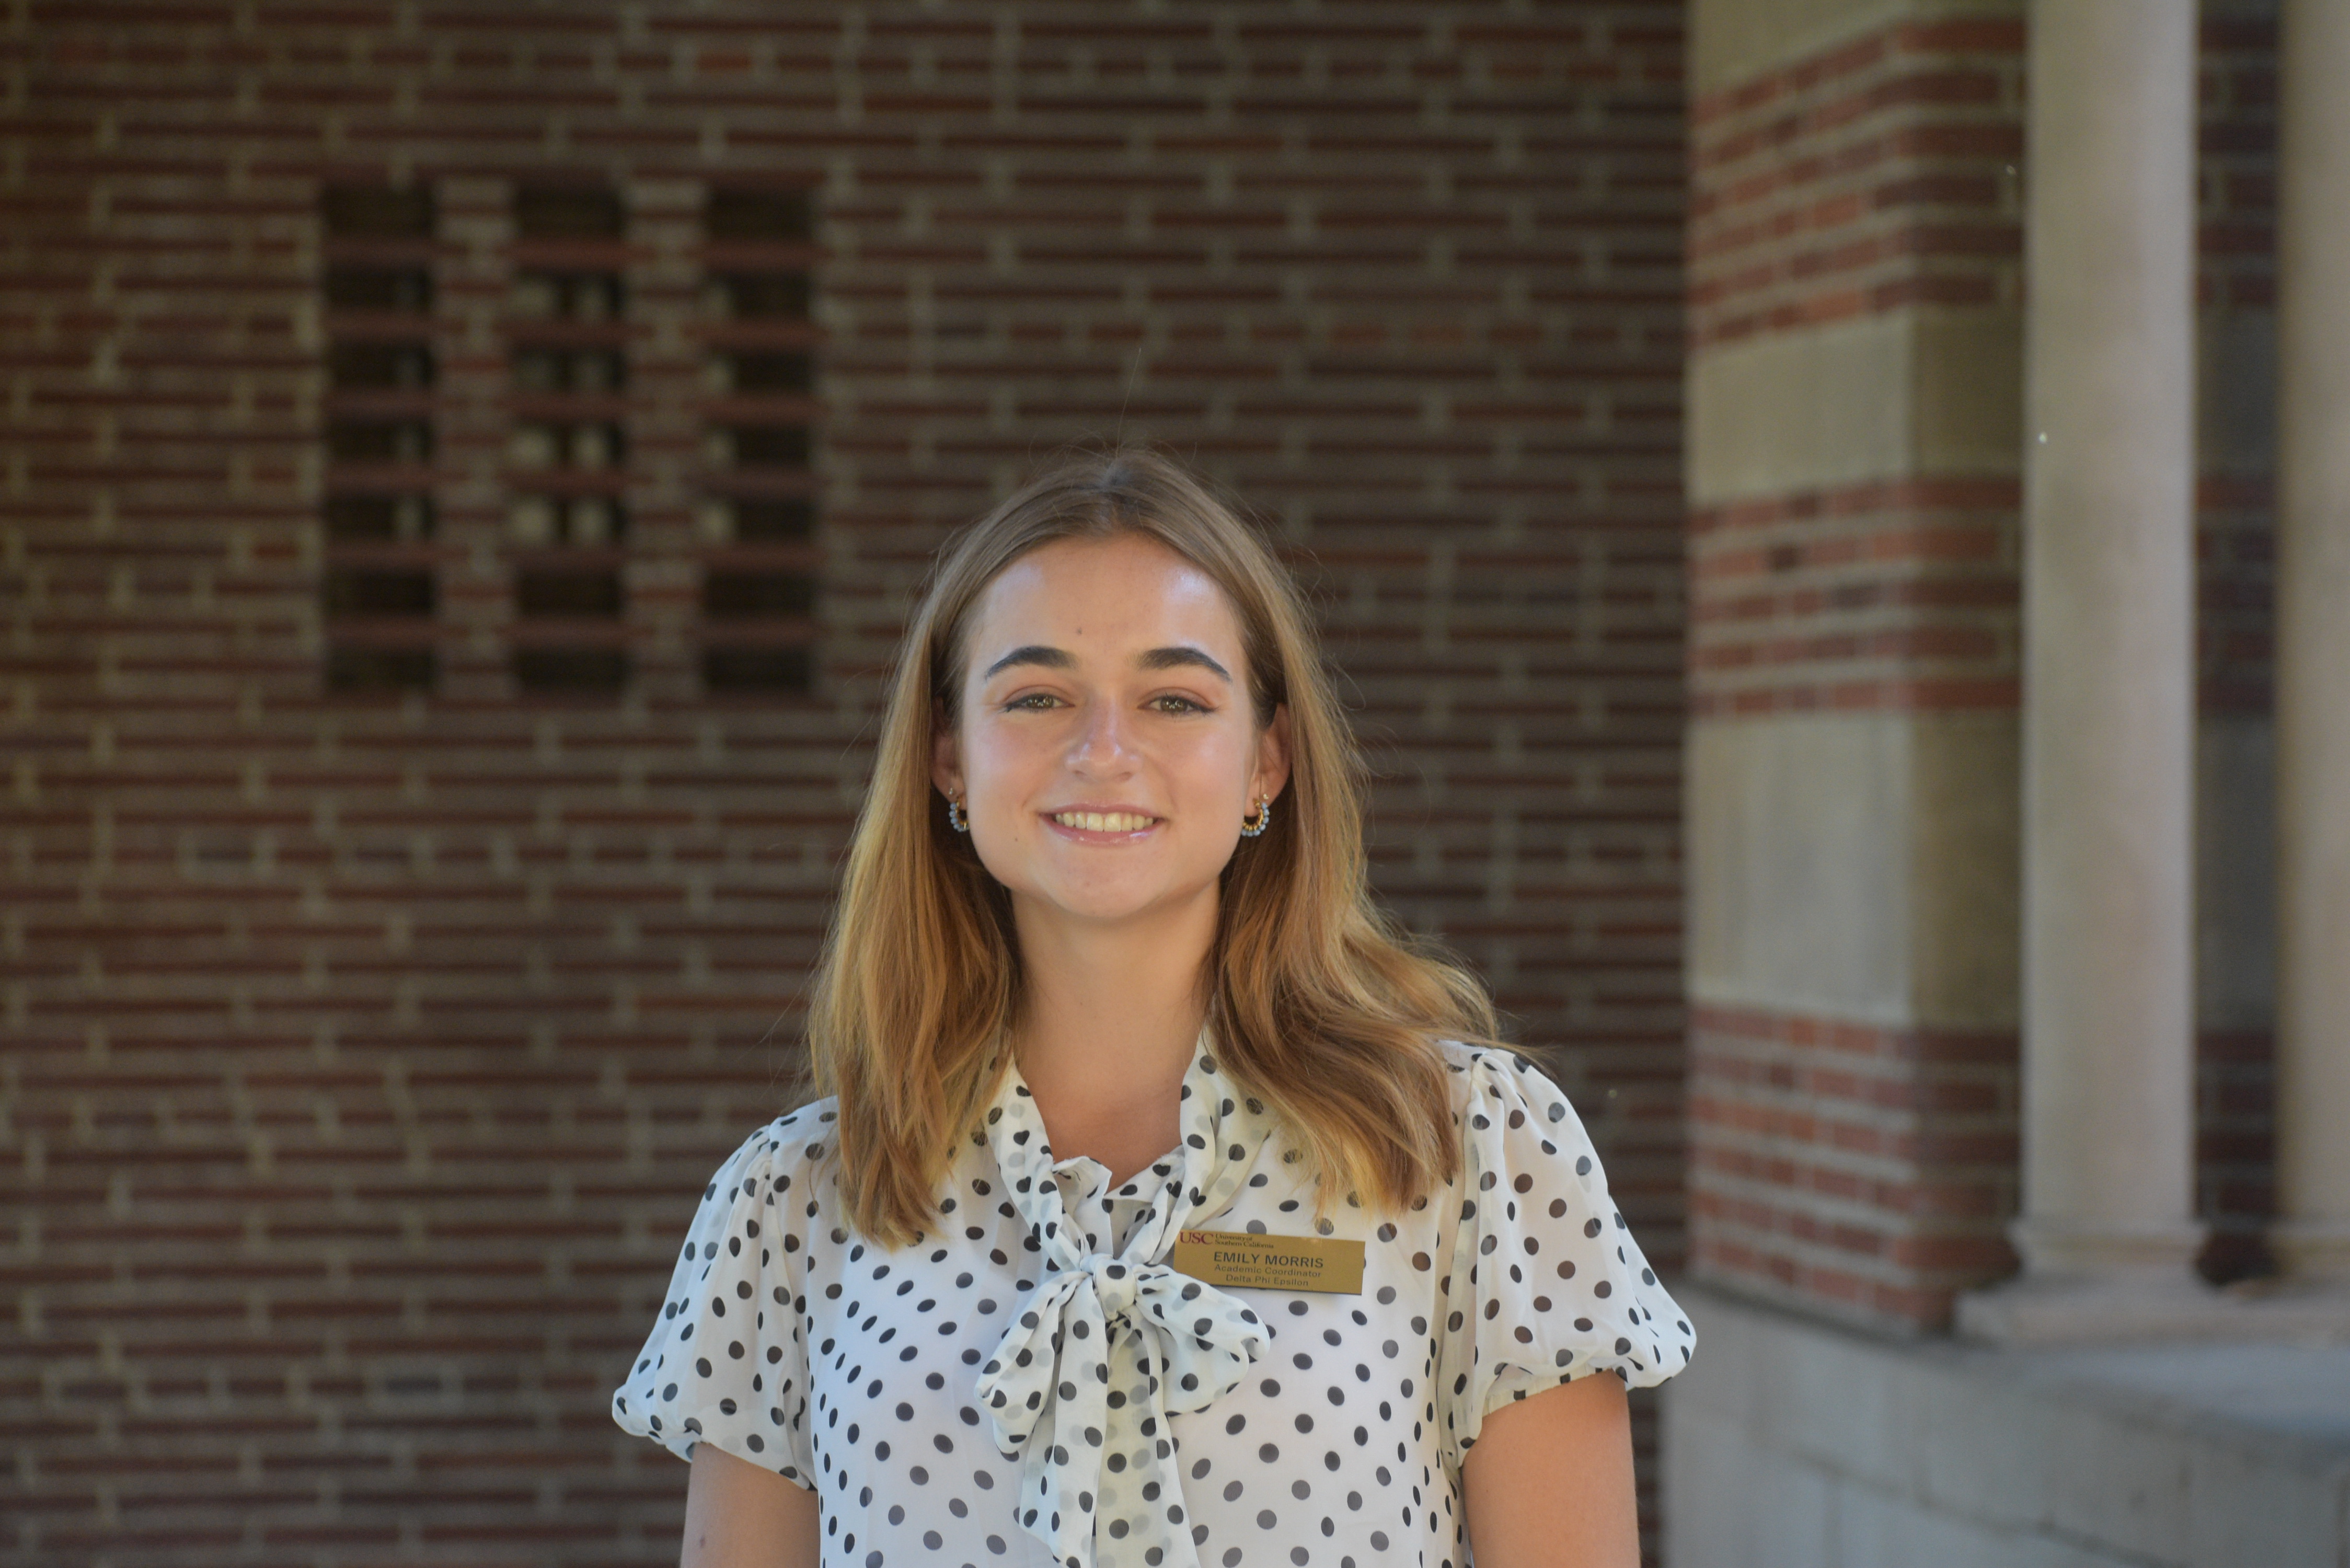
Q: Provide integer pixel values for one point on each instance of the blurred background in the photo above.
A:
(466, 465)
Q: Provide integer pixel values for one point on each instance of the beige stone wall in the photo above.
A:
(1855, 865)
(1920, 390)
(1733, 42)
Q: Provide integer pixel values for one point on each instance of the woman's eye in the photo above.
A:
(1170, 703)
(1034, 702)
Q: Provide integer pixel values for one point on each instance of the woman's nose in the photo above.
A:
(1101, 740)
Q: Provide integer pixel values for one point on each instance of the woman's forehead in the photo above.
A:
(1103, 600)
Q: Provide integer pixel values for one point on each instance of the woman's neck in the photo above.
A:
(1108, 1021)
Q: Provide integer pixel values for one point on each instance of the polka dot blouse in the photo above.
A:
(1034, 1385)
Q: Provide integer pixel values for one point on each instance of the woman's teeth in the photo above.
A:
(1104, 821)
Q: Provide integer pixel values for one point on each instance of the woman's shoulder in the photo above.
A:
(1462, 1057)
(1482, 1071)
(804, 1133)
(780, 1153)
(1499, 1094)
(803, 1129)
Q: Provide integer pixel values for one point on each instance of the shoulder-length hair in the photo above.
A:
(1316, 999)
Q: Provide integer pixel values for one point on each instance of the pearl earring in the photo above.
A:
(1257, 823)
(955, 817)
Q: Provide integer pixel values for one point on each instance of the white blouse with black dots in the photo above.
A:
(1035, 1385)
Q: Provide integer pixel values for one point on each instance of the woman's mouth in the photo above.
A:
(1104, 821)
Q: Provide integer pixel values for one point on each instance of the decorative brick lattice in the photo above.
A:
(377, 591)
(758, 516)
(566, 455)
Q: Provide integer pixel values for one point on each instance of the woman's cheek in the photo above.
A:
(1221, 774)
(1001, 759)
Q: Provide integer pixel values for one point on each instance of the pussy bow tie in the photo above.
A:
(1080, 1388)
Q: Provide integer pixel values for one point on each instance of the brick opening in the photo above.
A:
(567, 453)
(377, 587)
(760, 564)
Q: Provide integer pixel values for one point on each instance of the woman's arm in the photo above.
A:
(740, 1516)
(1550, 1480)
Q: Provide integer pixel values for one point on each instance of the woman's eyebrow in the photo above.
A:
(1035, 653)
(1172, 657)
(1155, 659)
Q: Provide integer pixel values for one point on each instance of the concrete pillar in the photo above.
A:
(2313, 643)
(2108, 693)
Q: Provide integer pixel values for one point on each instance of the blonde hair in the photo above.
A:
(1316, 999)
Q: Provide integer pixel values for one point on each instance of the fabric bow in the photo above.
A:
(1080, 1387)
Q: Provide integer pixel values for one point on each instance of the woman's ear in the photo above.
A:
(946, 754)
(1273, 757)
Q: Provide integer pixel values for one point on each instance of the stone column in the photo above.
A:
(2108, 1226)
(2313, 644)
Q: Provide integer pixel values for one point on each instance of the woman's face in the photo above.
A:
(1104, 746)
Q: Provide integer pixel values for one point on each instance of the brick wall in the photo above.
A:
(369, 1040)
(1878, 176)
(1862, 1169)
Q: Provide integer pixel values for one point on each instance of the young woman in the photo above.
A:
(1128, 1074)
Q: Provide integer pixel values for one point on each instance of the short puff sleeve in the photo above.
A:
(727, 1361)
(1547, 1285)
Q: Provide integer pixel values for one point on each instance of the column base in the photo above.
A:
(2082, 1288)
(2085, 1286)
(2149, 1255)
(2314, 1253)
(2077, 1310)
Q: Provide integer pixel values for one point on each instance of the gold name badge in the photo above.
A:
(1269, 1262)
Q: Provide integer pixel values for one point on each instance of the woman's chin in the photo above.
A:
(1101, 906)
